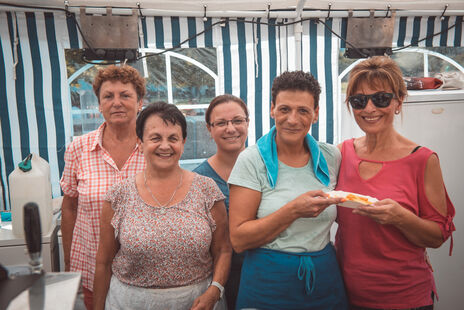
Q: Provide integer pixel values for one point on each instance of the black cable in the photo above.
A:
(186, 40)
(73, 16)
(210, 27)
(68, 14)
(223, 20)
(308, 19)
(427, 37)
(340, 37)
(140, 11)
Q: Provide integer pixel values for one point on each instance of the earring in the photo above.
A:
(397, 112)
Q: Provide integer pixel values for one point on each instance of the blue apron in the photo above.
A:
(273, 279)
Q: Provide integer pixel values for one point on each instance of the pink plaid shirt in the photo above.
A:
(88, 173)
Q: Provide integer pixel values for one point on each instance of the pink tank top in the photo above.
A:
(381, 268)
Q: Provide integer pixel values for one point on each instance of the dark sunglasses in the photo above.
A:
(380, 100)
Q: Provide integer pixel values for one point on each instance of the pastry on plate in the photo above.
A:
(352, 200)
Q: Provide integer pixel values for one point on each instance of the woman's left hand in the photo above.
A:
(386, 211)
(207, 300)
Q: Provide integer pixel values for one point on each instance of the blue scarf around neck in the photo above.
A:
(268, 150)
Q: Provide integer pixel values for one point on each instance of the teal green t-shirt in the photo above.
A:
(305, 234)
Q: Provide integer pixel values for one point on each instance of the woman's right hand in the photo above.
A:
(207, 300)
(249, 232)
(312, 203)
(68, 221)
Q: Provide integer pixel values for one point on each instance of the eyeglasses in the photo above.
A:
(235, 122)
(380, 100)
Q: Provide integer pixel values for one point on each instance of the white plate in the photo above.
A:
(349, 203)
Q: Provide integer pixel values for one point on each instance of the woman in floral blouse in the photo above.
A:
(164, 236)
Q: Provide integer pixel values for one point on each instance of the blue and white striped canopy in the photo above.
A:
(35, 105)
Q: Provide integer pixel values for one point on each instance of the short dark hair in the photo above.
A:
(223, 99)
(167, 112)
(296, 80)
(125, 74)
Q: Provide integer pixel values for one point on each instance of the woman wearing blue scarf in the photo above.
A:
(279, 213)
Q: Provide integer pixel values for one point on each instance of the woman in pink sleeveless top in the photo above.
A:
(381, 248)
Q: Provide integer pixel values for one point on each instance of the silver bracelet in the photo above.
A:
(219, 286)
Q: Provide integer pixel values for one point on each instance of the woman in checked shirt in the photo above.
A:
(95, 161)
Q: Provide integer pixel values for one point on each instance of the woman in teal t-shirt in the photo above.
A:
(227, 121)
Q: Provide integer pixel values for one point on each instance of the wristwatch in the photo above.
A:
(219, 286)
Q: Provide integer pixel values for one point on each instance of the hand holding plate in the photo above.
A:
(384, 212)
(312, 203)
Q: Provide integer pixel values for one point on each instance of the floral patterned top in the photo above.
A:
(163, 247)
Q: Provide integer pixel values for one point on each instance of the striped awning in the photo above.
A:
(424, 31)
(35, 104)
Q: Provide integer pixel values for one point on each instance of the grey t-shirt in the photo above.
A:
(305, 234)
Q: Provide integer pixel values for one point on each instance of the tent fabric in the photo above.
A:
(35, 105)
(409, 30)
(251, 53)
(34, 98)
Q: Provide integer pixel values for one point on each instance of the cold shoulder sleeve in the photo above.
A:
(429, 212)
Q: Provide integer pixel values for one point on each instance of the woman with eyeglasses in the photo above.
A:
(227, 121)
(382, 247)
(279, 213)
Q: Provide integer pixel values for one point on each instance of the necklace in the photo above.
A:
(153, 196)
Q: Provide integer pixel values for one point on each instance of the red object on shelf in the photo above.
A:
(415, 83)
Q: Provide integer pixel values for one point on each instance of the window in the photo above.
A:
(184, 77)
(414, 62)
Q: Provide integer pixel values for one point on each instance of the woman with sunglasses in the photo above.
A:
(227, 122)
(382, 247)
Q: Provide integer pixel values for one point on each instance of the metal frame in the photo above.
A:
(168, 56)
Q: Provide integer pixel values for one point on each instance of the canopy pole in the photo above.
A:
(298, 33)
